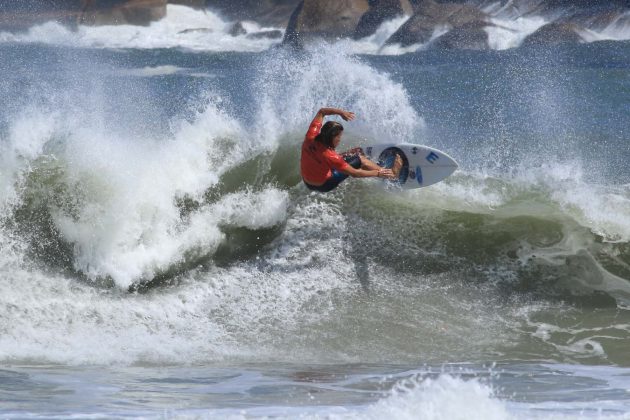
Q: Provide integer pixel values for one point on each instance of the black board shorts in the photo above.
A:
(337, 177)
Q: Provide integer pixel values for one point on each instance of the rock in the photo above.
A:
(274, 13)
(38, 6)
(196, 30)
(470, 36)
(327, 19)
(273, 34)
(554, 34)
(565, 7)
(195, 4)
(129, 12)
(379, 12)
(21, 14)
(237, 29)
(598, 21)
(430, 15)
(555, 9)
(20, 21)
(17, 15)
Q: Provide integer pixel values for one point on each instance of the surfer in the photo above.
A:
(322, 168)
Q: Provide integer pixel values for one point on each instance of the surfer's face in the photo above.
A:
(337, 140)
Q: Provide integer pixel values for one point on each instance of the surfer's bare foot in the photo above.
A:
(398, 163)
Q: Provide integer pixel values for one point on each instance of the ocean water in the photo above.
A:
(160, 258)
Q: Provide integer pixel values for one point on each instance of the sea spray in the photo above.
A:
(291, 88)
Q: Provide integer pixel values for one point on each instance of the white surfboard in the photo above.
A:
(422, 165)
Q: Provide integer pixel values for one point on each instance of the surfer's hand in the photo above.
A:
(354, 151)
(386, 173)
(347, 115)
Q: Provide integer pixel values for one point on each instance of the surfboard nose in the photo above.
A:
(421, 164)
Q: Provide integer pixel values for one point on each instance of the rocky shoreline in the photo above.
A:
(437, 24)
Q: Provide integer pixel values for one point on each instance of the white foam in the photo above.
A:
(182, 27)
(558, 190)
(617, 30)
(237, 313)
(129, 225)
(474, 192)
(398, 49)
(27, 135)
(375, 43)
(120, 191)
(445, 397)
(152, 71)
(585, 341)
(510, 33)
(603, 209)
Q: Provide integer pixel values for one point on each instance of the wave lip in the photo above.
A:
(116, 201)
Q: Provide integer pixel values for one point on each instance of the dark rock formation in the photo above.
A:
(196, 30)
(429, 15)
(327, 19)
(237, 29)
(273, 34)
(195, 4)
(554, 34)
(598, 20)
(593, 14)
(265, 12)
(570, 7)
(379, 12)
(130, 12)
(21, 14)
(469, 36)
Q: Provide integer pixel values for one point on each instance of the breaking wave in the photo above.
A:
(128, 237)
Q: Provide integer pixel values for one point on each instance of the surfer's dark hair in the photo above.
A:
(330, 130)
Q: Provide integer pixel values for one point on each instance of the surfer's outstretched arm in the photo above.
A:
(368, 173)
(346, 115)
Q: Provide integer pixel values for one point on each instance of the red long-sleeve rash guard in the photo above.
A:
(318, 161)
